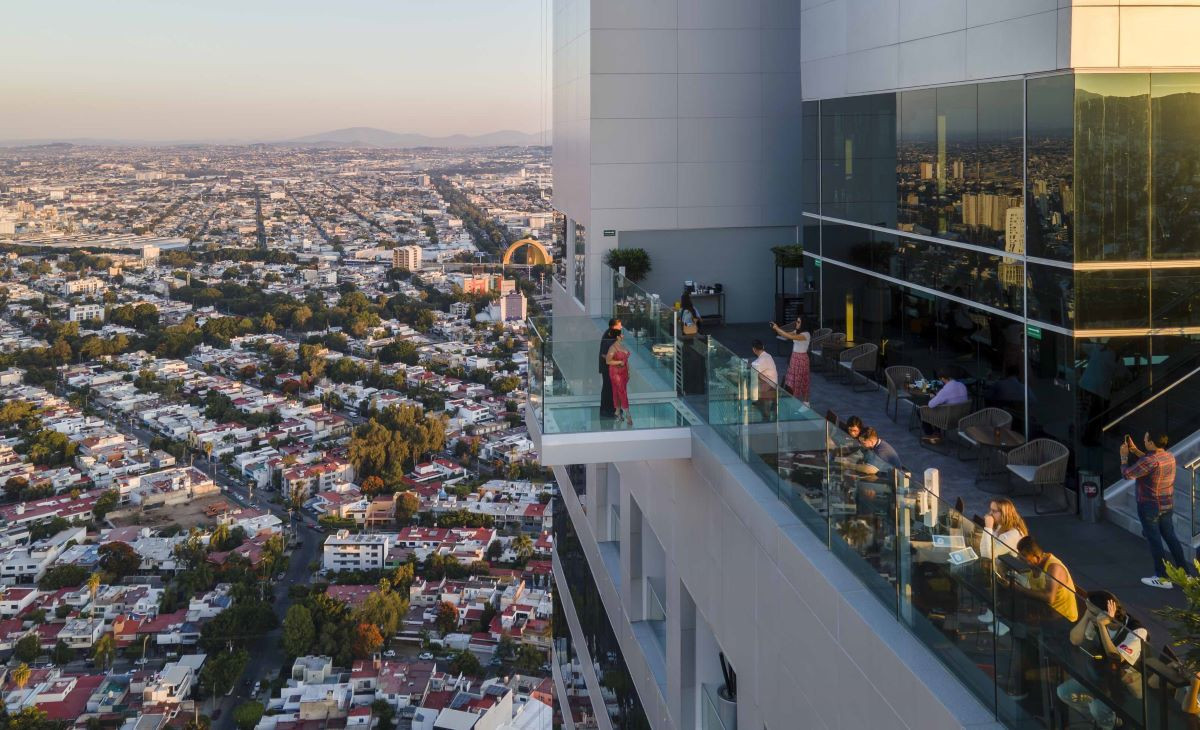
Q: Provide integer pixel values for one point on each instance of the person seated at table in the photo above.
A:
(764, 365)
(854, 426)
(882, 450)
(1049, 582)
(878, 458)
(853, 429)
(952, 393)
(1003, 529)
(878, 454)
(1114, 640)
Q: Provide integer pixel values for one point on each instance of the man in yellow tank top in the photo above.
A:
(1050, 581)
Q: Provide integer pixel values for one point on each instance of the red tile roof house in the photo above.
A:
(126, 630)
(352, 596)
(11, 631)
(43, 510)
(48, 634)
(14, 600)
(252, 550)
(398, 683)
(63, 698)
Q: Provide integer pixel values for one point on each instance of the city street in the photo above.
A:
(266, 651)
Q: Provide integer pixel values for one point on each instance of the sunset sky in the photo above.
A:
(250, 70)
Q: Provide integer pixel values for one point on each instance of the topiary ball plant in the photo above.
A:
(635, 260)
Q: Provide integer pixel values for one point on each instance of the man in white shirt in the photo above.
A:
(768, 376)
(952, 393)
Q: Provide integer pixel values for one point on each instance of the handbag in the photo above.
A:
(690, 327)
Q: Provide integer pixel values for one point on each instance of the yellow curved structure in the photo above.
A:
(538, 254)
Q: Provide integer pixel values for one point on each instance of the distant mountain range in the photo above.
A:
(349, 137)
(372, 137)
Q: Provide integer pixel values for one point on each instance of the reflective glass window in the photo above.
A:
(810, 142)
(1049, 120)
(854, 245)
(1133, 370)
(998, 210)
(580, 261)
(1112, 299)
(1051, 296)
(624, 708)
(956, 167)
(1175, 155)
(916, 163)
(1112, 167)
(1050, 370)
(858, 153)
(1175, 297)
(930, 332)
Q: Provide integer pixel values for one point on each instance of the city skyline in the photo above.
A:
(273, 71)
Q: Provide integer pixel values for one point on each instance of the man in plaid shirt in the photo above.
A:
(1154, 473)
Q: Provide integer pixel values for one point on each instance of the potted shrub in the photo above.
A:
(789, 257)
(635, 260)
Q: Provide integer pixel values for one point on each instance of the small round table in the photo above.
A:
(993, 444)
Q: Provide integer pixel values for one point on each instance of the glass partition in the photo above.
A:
(566, 387)
(1014, 628)
(656, 612)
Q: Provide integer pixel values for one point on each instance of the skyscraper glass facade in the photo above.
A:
(600, 646)
(1041, 234)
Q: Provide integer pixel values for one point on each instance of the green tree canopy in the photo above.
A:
(465, 662)
(247, 715)
(28, 649)
(298, 631)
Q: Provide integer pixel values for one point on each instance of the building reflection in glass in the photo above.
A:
(620, 696)
(1112, 166)
(1050, 147)
(580, 261)
(1175, 171)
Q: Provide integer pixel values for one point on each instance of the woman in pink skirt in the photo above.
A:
(797, 376)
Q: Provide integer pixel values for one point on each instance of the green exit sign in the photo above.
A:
(1035, 333)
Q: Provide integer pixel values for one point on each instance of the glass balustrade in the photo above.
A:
(1000, 622)
(656, 611)
(711, 715)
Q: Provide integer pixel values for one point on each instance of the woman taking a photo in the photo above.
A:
(618, 372)
(797, 378)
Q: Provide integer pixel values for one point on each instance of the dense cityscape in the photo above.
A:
(261, 444)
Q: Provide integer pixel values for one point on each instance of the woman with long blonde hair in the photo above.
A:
(1003, 528)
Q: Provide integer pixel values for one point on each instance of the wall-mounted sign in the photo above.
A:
(609, 232)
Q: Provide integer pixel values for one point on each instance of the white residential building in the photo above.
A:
(346, 551)
(85, 312)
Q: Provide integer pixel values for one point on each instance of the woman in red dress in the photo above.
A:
(618, 372)
(797, 378)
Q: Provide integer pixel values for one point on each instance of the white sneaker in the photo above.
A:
(985, 617)
(1001, 628)
(1155, 582)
